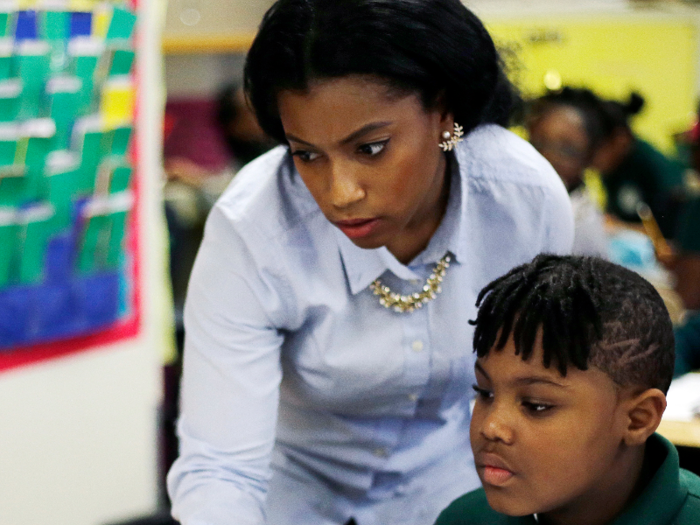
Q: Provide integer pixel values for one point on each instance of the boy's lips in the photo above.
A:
(357, 228)
(493, 469)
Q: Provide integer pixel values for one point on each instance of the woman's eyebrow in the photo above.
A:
(363, 130)
(353, 136)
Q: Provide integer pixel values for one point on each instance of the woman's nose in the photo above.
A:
(345, 187)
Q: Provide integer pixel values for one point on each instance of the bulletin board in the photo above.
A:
(655, 56)
(69, 268)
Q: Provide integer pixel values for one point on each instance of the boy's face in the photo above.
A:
(543, 442)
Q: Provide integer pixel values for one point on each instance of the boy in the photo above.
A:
(574, 357)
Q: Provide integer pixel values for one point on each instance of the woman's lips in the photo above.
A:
(357, 228)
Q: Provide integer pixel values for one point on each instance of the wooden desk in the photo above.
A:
(681, 433)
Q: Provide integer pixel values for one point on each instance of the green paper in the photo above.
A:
(122, 60)
(5, 25)
(85, 70)
(62, 184)
(121, 176)
(7, 63)
(63, 99)
(5, 67)
(10, 91)
(8, 150)
(13, 185)
(91, 153)
(38, 228)
(115, 250)
(33, 70)
(120, 140)
(93, 246)
(9, 107)
(63, 111)
(53, 25)
(8, 242)
(37, 149)
(122, 24)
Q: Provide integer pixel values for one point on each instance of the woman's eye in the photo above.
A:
(306, 156)
(537, 408)
(374, 148)
(482, 393)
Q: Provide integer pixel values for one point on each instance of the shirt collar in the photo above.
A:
(362, 266)
(663, 496)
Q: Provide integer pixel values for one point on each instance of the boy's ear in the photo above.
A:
(643, 411)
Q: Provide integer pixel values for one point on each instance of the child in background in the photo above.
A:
(634, 172)
(575, 355)
(565, 128)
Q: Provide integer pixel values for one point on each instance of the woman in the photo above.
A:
(311, 394)
(566, 128)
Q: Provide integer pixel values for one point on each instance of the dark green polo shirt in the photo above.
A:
(646, 175)
(688, 234)
(672, 497)
(687, 338)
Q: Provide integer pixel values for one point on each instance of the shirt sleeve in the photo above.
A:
(230, 385)
(559, 221)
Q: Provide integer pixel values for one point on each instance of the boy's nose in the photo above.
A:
(495, 427)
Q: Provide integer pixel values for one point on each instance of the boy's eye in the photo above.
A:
(537, 408)
(373, 148)
(482, 393)
(306, 156)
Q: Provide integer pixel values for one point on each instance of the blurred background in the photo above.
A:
(611, 91)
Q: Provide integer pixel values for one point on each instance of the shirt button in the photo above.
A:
(413, 397)
(417, 346)
(381, 452)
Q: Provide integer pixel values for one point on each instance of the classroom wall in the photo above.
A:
(213, 17)
(78, 442)
(656, 51)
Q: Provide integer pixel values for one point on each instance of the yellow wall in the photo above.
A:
(656, 57)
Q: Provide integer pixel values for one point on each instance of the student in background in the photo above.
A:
(635, 172)
(575, 356)
(244, 137)
(565, 128)
(686, 267)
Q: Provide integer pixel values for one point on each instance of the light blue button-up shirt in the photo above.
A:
(294, 371)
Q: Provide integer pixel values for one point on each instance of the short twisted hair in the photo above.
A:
(591, 313)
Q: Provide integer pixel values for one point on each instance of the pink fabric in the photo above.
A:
(194, 133)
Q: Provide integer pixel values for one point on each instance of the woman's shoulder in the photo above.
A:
(268, 196)
(493, 152)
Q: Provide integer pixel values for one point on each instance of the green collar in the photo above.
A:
(662, 498)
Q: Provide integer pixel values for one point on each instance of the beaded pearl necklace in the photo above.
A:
(408, 303)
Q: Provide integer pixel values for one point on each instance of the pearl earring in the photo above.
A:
(452, 139)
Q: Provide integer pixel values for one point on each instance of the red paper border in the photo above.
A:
(124, 329)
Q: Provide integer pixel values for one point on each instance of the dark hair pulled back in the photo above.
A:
(437, 49)
(618, 114)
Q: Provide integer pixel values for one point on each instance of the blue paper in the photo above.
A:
(26, 28)
(80, 24)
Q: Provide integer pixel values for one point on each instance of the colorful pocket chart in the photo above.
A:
(67, 100)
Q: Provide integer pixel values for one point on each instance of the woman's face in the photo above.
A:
(371, 160)
(559, 134)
